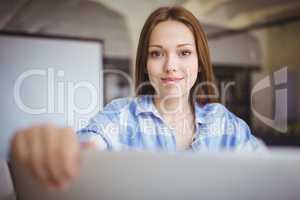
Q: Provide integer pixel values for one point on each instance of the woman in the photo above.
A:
(175, 108)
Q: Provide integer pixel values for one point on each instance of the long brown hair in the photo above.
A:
(204, 93)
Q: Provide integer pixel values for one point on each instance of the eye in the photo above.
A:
(184, 53)
(155, 54)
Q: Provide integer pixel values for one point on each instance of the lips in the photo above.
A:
(171, 79)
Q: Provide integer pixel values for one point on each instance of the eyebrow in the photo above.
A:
(180, 45)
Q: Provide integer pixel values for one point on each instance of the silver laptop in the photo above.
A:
(161, 176)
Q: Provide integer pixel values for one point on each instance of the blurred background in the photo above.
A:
(254, 46)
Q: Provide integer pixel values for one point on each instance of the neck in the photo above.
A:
(173, 106)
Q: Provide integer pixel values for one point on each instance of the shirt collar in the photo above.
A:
(144, 104)
(203, 114)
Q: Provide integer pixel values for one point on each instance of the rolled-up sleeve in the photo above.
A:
(103, 130)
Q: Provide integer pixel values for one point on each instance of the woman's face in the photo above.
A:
(172, 63)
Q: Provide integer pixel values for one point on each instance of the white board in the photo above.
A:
(48, 79)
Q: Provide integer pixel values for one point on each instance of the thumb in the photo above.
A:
(88, 145)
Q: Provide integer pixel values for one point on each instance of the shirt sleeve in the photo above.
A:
(246, 141)
(103, 130)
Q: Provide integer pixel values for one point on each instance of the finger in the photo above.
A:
(69, 155)
(61, 157)
(15, 147)
(52, 150)
(19, 148)
(37, 156)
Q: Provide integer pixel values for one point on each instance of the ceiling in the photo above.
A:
(228, 14)
(237, 14)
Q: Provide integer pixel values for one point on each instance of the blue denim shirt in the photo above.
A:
(135, 124)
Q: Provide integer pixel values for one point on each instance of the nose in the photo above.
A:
(171, 64)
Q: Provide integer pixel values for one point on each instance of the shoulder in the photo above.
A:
(221, 120)
(131, 105)
(112, 113)
(122, 107)
(232, 127)
(217, 111)
(118, 105)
